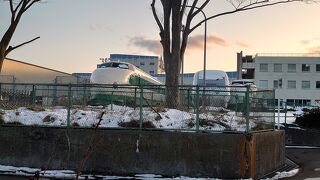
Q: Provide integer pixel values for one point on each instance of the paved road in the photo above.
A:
(308, 160)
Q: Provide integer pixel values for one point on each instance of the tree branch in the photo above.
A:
(183, 8)
(11, 48)
(28, 6)
(156, 16)
(200, 8)
(17, 7)
(13, 13)
(244, 8)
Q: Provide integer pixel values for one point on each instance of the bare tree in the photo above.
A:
(17, 9)
(174, 42)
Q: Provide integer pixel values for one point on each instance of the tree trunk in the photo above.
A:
(172, 83)
(172, 59)
(2, 56)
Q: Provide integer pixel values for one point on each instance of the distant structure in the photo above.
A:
(295, 77)
(14, 71)
(83, 78)
(188, 77)
(149, 64)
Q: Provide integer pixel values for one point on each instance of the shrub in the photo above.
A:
(310, 119)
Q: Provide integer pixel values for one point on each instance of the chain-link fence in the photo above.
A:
(193, 108)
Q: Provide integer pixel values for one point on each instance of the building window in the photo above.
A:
(263, 83)
(318, 67)
(298, 102)
(277, 67)
(151, 63)
(275, 84)
(305, 68)
(305, 85)
(318, 84)
(291, 84)
(291, 67)
(141, 63)
(263, 67)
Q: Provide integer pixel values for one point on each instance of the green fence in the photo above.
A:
(230, 108)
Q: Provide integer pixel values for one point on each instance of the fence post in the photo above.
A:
(84, 94)
(141, 110)
(188, 91)
(197, 109)
(135, 98)
(33, 94)
(0, 91)
(247, 113)
(274, 108)
(285, 114)
(111, 101)
(69, 105)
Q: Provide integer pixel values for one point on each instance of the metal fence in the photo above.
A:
(230, 108)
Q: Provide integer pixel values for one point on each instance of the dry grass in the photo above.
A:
(136, 124)
(1, 119)
(262, 126)
(14, 123)
(36, 108)
(48, 119)
(75, 124)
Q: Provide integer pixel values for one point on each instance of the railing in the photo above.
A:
(228, 109)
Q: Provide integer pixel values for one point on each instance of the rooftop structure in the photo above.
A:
(149, 64)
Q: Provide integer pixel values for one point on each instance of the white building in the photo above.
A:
(149, 64)
(295, 77)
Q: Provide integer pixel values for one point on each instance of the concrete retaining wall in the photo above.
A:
(125, 152)
(302, 137)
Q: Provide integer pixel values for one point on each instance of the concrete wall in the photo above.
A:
(302, 137)
(127, 152)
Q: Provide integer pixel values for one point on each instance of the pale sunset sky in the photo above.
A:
(76, 33)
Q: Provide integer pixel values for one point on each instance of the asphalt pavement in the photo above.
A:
(308, 160)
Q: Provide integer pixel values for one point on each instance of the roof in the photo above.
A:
(128, 56)
(37, 66)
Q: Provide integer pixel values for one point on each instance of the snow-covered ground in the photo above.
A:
(218, 119)
(69, 174)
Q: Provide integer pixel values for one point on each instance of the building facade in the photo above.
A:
(294, 77)
(149, 64)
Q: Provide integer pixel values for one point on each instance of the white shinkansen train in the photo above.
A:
(217, 92)
(121, 73)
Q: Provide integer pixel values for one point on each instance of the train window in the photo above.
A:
(120, 65)
(123, 66)
(104, 65)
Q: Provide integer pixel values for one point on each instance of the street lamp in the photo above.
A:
(204, 47)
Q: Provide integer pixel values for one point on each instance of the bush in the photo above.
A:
(310, 119)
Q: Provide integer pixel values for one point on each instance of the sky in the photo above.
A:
(75, 34)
